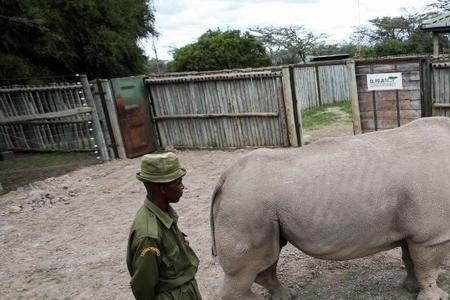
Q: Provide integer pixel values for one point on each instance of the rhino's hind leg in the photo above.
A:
(238, 286)
(410, 283)
(426, 261)
(268, 279)
(242, 259)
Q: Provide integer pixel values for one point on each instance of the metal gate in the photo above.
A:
(134, 115)
(225, 110)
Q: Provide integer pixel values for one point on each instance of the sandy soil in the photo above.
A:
(65, 238)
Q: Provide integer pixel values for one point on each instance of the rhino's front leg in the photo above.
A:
(427, 260)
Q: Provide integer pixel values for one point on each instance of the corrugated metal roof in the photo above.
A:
(437, 24)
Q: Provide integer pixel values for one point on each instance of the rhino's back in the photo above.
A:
(426, 139)
(416, 153)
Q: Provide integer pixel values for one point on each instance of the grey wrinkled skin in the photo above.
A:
(337, 199)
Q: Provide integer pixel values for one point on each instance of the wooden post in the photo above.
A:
(112, 112)
(104, 119)
(353, 92)
(435, 44)
(294, 126)
(426, 85)
(98, 133)
(319, 94)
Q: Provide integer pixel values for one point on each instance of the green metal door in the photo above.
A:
(134, 115)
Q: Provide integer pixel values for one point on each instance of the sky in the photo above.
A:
(180, 22)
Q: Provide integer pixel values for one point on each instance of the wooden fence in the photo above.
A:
(221, 109)
(238, 109)
(441, 87)
(390, 108)
(321, 83)
(54, 117)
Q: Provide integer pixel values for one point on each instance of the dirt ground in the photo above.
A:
(65, 238)
(30, 167)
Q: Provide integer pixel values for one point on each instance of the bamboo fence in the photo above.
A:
(54, 117)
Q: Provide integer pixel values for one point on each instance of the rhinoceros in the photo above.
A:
(337, 199)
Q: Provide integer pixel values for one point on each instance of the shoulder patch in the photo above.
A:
(152, 250)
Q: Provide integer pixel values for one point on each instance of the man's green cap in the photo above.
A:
(160, 168)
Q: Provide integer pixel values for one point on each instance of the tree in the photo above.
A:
(350, 48)
(155, 66)
(216, 50)
(50, 37)
(442, 6)
(288, 44)
(394, 36)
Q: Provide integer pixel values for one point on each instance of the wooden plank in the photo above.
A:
(213, 77)
(411, 114)
(319, 96)
(408, 67)
(387, 114)
(368, 125)
(43, 88)
(385, 95)
(112, 112)
(51, 115)
(366, 105)
(441, 105)
(411, 75)
(353, 94)
(98, 133)
(407, 104)
(385, 123)
(222, 115)
(361, 82)
(289, 106)
(390, 104)
(413, 95)
(383, 69)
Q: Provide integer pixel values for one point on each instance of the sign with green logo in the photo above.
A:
(384, 81)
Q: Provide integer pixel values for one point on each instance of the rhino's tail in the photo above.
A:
(216, 193)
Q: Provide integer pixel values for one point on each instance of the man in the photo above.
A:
(161, 263)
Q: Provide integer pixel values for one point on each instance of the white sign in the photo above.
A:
(384, 81)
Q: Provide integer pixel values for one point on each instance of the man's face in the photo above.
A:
(173, 190)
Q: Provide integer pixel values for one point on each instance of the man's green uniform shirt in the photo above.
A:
(161, 263)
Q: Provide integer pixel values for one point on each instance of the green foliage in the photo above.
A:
(49, 37)
(216, 50)
(288, 45)
(154, 66)
(328, 114)
(401, 35)
(442, 6)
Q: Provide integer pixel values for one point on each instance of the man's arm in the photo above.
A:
(146, 270)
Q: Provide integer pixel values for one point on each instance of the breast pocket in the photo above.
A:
(169, 260)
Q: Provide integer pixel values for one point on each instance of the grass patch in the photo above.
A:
(328, 114)
(345, 106)
(27, 168)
